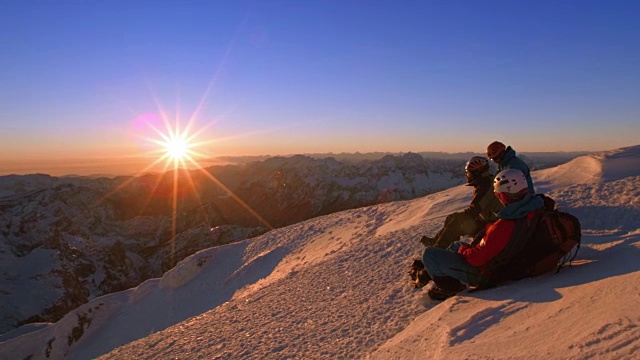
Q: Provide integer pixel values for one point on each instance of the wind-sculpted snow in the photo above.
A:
(598, 167)
(336, 287)
(621, 163)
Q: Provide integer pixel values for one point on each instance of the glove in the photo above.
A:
(455, 246)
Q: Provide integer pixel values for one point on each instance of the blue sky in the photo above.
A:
(284, 77)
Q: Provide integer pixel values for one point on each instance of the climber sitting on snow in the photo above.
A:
(462, 264)
(481, 211)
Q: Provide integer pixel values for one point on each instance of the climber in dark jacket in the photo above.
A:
(481, 211)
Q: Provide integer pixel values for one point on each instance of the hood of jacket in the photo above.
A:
(521, 208)
(509, 154)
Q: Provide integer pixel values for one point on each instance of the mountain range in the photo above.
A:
(335, 286)
(91, 237)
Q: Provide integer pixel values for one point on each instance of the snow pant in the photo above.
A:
(447, 262)
(456, 225)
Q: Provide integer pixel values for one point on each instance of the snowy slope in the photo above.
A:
(336, 287)
(92, 237)
(591, 169)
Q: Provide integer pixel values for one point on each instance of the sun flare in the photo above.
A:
(177, 149)
(175, 146)
(171, 146)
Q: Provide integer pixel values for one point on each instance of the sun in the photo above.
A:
(172, 146)
(177, 148)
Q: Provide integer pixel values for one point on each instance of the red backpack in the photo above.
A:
(538, 245)
(560, 229)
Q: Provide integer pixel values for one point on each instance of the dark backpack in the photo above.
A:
(538, 245)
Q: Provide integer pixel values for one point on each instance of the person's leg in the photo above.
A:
(445, 287)
(445, 263)
(456, 225)
(431, 241)
(419, 275)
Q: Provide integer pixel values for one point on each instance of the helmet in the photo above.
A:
(510, 185)
(494, 149)
(477, 164)
(474, 168)
(510, 181)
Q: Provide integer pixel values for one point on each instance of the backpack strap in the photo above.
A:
(549, 203)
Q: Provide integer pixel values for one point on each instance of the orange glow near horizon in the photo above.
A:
(177, 148)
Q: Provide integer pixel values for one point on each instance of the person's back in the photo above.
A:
(506, 158)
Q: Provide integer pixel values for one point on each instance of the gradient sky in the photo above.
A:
(80, 79)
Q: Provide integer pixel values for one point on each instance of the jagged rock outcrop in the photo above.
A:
(288, 190)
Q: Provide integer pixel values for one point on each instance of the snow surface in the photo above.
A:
(335, 287)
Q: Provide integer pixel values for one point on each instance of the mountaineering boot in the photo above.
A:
(419, 275)
(445, 287)
(427, 241)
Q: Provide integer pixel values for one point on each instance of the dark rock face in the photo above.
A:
(288, 190)
(65, 241)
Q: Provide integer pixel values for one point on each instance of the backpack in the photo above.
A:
(538, 245)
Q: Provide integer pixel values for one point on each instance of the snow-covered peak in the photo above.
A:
(591, 169)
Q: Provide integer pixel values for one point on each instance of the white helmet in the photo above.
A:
(510, 181)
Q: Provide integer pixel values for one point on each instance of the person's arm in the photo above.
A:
(475, 207)
(496, 238)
